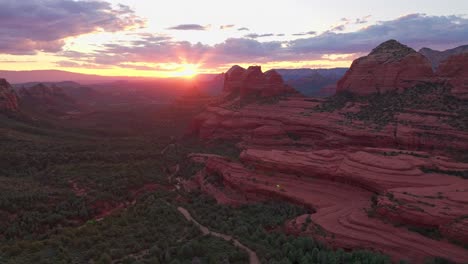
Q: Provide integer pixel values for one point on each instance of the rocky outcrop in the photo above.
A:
(295, 152)
(437, 57)
(8, 97)
(294, 121)
(373, 170)
(391, 66)
(42, 97)
(455, 71)
(41, 91)
(326, 183)
(252, 82)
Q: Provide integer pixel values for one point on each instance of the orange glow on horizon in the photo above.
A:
(183, 69)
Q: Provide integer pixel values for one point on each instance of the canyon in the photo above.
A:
(381, 165)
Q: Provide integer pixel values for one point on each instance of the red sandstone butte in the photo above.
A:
(253, 82)
(390, 66)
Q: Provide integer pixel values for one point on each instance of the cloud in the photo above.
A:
(254, 36)
(226, 26)
(232, 50)
(243, 29)
(17, 61)
(305, 33)
(189, 27)
(338, 28)
(27, 27)
(345, 22)
(415, 30)
(73, 64)
(362, 20)
(280, 35)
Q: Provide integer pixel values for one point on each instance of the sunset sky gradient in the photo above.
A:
(182, 38)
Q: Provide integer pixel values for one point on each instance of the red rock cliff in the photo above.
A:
(8, 98)
(390, 66)
(455, 71)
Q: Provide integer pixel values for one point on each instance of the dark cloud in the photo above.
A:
(226, 26)
(254, 36)
(243, 29)
(189, 27)
(42, 25)
(280, 35)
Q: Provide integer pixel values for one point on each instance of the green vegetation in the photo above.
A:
(432, 233)
(380, 109)
(461, 174)
(97, 191)
(294, 136)
(396, 153)
(258, 227)
(58, 178)
(152, 231)
(335, 102)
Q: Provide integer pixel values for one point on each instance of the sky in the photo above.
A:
(182, 38)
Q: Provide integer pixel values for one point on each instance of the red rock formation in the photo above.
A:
(390, 66)
(295, 151)
(253, 82)
(8, 98)
(455, 71)
(340, 207)
(413, 130)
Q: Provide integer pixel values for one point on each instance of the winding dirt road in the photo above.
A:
(253, 258)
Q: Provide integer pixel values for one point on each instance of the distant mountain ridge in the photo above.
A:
(15, 77)
(313, 82)
(437, 57)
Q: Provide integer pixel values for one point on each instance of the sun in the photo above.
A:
(187, 71)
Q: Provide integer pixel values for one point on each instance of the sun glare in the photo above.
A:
(187, 71)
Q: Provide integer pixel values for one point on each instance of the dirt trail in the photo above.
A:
(253, 258)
